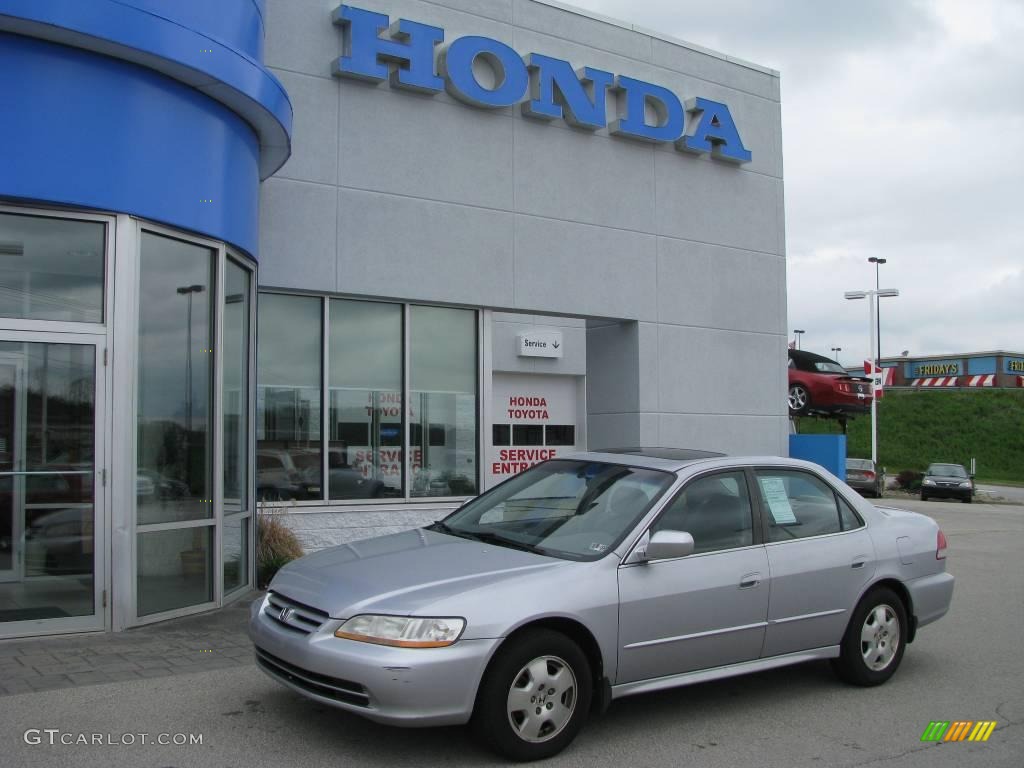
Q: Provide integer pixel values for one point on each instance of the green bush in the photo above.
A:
(909, 480)
(917, 428)
(276, 546)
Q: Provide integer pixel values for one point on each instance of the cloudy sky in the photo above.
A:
(903, 126)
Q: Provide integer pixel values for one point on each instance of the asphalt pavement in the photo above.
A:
(968, 666)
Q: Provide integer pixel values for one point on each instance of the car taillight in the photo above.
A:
(869, 475)
(842, 386)
(940, 546)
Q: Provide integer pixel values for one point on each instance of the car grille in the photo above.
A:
(948, 485)
(322, 685)
(293, 615)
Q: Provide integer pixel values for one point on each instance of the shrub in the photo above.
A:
(909, 480)
(276, 545)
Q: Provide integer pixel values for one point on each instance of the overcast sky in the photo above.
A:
(903, 128)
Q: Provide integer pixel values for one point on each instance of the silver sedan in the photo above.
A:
(603, 575)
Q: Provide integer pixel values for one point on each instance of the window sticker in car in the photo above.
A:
(774, 491)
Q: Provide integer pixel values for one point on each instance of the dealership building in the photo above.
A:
(355, 264)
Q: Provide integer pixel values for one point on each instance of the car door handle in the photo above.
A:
(858, 563)
(750, 580)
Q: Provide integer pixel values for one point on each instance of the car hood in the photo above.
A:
(401, 573)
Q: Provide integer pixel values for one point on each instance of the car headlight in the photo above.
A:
(965, 484)
(402, 631)
(928, 482)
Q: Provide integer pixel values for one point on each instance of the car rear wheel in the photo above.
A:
(534, 697)
(875, 639)
(799, 399)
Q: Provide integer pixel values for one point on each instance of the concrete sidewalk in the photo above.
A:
(193, 644)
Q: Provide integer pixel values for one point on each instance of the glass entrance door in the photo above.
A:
(51, 511)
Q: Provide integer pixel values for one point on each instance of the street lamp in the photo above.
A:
(837, 349)
(872, 297)
(878, 325)
(798, 333)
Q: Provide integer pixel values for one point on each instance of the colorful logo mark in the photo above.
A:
(958, 730)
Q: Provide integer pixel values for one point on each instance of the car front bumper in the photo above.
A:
(938, 492)
(396, 686)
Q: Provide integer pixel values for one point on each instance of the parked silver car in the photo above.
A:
(597, 576)
(862, 475)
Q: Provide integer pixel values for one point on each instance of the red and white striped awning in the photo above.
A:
(988, 380)
(935, 381)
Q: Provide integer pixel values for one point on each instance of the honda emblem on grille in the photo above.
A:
(286, 614)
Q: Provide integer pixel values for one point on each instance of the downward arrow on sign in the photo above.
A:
(555, 344)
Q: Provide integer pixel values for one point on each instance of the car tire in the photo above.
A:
(799, 400)
(872, 647)
(967, 500)
(924, 497)
(540, 671)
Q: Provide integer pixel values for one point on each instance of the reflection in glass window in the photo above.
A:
(174, 569)
(798, 503)
(174, 478)
(715, 510)
(365, 427)
(236, 553)
(236, 387)
(443, 411)
(51, 269)
(288, 448)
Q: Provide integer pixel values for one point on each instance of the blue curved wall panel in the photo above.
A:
(158, 108)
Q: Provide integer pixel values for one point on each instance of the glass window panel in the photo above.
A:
(798, 505)
(528, 434)
(235, 541)
(175, 472)
(715, 510)
(236, 387)
(443, 411)
(365, 457)
(47, 517)
(174, 569)
(51, 269)
(501, 434)
(561, 434)
(288, 432)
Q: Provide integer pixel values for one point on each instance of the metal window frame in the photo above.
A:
(128, 605)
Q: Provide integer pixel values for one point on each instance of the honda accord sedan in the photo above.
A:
(602, 575)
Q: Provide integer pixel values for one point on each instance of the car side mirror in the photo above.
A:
(668, 544)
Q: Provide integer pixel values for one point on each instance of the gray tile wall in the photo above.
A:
(408, 196)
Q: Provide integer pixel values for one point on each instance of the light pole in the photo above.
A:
(798, 333)
(872, 297)
(878, 317)
(836, 349)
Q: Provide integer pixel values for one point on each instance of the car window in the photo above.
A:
(848, 518)
(797, 505)
(858, 464)
(715, 510)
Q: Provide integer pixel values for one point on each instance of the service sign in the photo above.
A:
(541, 344)
(1015, 365)
(936, 368)
(416, 57)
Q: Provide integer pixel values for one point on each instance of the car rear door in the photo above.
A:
(820, 557)
(705, 610)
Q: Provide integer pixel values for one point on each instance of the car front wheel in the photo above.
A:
(875, 638)
(534, 697)
(799, 400)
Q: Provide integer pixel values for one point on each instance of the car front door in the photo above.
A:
(704, 610)
(820, 556)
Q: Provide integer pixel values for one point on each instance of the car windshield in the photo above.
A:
(825, 366)
(576, 510)
(858, 463)
(947, 470)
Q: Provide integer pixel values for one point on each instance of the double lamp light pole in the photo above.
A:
(875, 332)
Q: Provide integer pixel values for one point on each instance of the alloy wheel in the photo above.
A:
(542, 699)
(880, 637)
